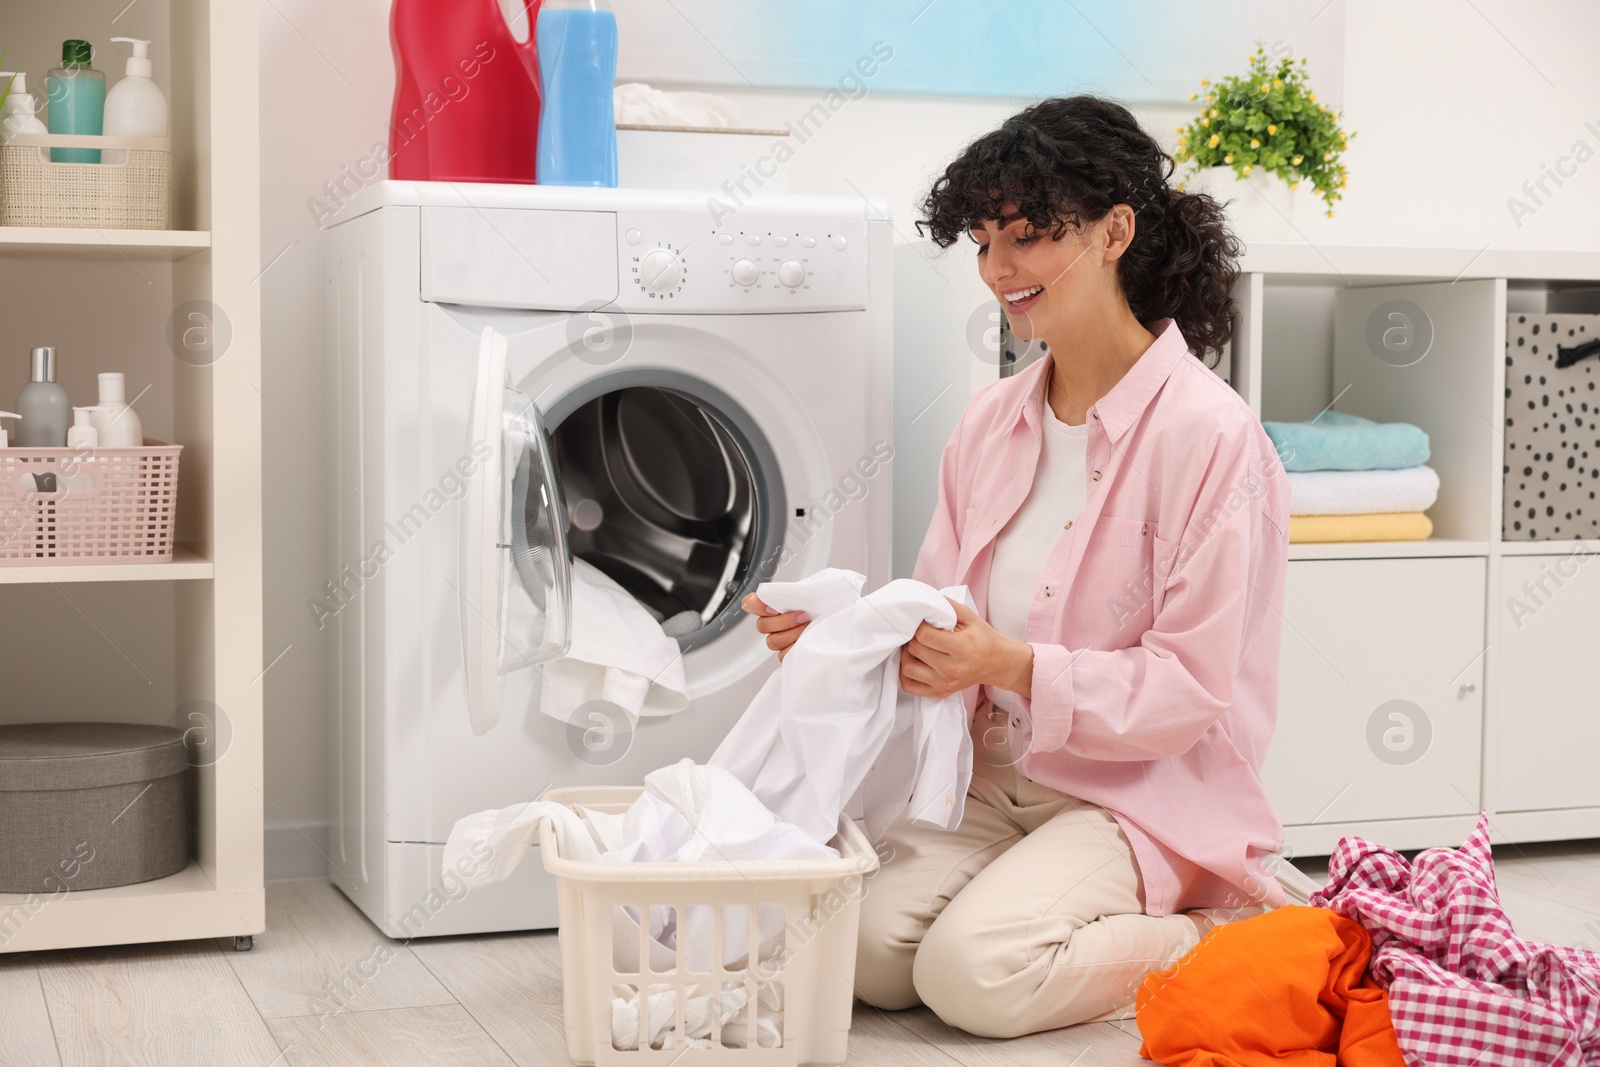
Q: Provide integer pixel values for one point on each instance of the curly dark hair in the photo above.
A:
(1066, 162)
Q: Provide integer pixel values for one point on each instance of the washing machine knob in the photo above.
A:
(791, 273)
(661, 269)
(745, 272)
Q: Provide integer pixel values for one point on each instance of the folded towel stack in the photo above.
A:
(1351, 479)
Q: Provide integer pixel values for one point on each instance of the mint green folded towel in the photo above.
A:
(1334, 441)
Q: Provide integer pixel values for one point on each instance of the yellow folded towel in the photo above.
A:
(1380, 526)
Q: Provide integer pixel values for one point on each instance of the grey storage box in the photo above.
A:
(89, 805)
(1552, 458)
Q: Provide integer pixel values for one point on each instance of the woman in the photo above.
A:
(1118, 514)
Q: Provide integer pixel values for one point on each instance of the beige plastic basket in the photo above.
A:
(608, 956)
(130, 188)
(63, 506)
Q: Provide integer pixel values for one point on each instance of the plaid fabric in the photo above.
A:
(1464, 989)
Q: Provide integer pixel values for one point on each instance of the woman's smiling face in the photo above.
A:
(1043, 282)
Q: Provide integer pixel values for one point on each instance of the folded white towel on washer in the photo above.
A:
(834, 711)
(1362, 492)
(619, 653)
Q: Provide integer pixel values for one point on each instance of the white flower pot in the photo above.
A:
(1259, 207)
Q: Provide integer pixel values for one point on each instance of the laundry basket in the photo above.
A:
(65, 506)
(791, 1008)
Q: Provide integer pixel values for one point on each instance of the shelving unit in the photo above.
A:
(1509, 701)
(186, 565)
(54, 242)
(137, 641)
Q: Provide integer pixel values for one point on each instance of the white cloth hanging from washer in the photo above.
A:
(832, 732)
(619, 652)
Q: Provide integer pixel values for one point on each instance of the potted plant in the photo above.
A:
(1259, 138)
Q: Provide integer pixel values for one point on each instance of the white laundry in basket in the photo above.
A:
(832, 732)
(686, 813)
(796, 761)
(697, 1019)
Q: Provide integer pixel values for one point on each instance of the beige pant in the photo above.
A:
(1028, 917)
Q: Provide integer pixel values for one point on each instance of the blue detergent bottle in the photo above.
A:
(577, 42)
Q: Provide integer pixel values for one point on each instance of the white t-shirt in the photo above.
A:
(1059, 490)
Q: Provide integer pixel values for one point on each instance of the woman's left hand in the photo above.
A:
(936, 663)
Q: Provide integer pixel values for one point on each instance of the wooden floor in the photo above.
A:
(323, 986)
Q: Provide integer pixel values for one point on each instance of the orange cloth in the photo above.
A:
(1287, 988)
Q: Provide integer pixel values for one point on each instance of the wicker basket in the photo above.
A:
(65, 506)
(134, 193)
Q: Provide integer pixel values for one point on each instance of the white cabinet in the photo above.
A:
(1380, 698)
(1548, 693)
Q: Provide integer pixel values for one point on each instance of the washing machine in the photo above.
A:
(690, 398)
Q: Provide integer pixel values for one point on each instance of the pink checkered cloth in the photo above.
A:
(1464, 989)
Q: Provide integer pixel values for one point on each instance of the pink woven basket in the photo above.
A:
(68, 506)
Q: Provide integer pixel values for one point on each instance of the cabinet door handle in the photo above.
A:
(1468, 687)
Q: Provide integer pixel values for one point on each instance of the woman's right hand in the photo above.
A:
(783, 629)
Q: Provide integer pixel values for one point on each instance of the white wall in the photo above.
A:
(326, 79)
(1456, 104)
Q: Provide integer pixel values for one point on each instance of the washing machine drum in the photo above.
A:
(662, 496)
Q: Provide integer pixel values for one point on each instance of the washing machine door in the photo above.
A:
(515, 570)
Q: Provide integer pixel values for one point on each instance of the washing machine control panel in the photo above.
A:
(694, 263)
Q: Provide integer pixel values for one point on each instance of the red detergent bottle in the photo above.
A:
(466, 96)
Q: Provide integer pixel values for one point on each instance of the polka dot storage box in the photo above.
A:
(1552, 431)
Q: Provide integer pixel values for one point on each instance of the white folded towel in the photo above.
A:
(619, 653)
(1362, 492)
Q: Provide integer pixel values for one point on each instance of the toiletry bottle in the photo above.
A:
(82, 434)
(577, 72)
(5, 439)
(16, 114)
(135, 106)
(75, 95)
(42, 405)
(114, 421)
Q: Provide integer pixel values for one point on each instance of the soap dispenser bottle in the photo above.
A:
(81, 434)
(116, 424)
(17, 114)
(42, 405)
(75, 102)
(5, 439)
(136, 106)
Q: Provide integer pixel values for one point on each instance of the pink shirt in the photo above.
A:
(1156, 621)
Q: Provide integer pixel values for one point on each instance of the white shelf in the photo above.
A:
(1432, 547)
(186, 565)
(1323, 264)
(1493, 650)
(179, 907)
(205, 636)
(1320, 839)
(60, 242)
(1547, 548)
